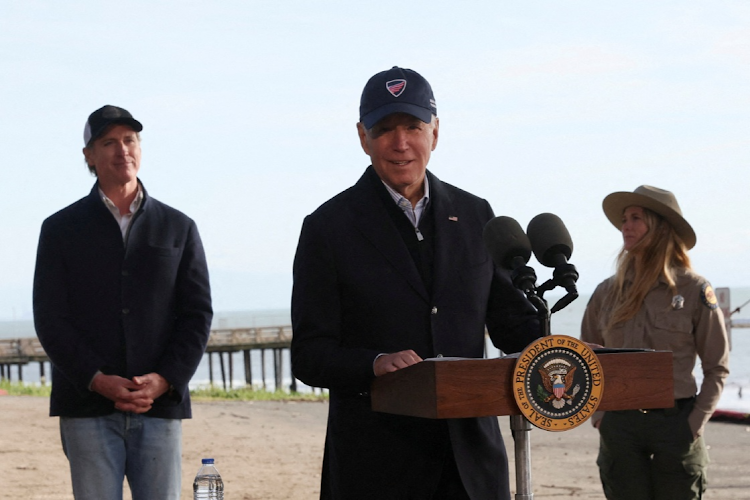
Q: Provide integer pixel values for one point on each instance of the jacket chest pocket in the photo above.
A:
(166, 252)
(673, 330)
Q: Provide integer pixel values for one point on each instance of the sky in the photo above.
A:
(249, 111)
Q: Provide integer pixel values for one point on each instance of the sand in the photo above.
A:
(268, 450)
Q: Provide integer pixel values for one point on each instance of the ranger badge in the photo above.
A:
(678, 302)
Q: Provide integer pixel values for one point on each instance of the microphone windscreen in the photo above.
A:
(505, 240)
(550, 239)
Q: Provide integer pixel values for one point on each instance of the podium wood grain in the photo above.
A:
(461, 388)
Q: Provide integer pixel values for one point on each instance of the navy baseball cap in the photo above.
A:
(397, 90)
(105, 116)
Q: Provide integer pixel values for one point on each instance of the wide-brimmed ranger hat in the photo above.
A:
(105, 116)
(397, 90)
(657, 200)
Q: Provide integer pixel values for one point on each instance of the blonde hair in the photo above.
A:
(656, 256)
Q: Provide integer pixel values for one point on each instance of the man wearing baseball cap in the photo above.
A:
(122, 307)
(388, 273)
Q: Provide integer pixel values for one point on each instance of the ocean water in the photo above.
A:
(736, 394)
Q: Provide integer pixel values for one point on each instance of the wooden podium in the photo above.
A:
(461, 388)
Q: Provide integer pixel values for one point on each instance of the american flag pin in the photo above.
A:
(453, 218)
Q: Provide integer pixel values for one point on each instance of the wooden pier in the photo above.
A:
(20, 352)
(230, 340)
(222, 343)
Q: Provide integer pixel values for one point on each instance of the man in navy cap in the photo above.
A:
(122, 307)
(390, 272)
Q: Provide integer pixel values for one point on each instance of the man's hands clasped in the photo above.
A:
(136, 395)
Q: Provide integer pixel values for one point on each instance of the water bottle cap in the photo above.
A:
(207, 461)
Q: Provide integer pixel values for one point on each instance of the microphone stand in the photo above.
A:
(564, 275)
(524, 278)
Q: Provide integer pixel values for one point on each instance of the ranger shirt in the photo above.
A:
(689, 323)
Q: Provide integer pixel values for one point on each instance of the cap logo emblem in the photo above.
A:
(396, 87)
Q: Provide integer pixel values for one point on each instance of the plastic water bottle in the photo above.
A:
(208, 484)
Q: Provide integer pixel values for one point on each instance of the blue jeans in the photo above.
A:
(102, 451)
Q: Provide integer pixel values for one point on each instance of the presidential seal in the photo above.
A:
(558, 382)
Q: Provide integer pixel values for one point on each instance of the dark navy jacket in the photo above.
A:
(125, 308)
(358, 293)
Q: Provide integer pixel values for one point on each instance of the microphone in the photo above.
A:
(510, 248)
(550, 240)
(506, 242)
(553, 247)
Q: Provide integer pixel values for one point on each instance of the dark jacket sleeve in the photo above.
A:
(319, 356)
(63, 342)
(193, 313)
(512, 320)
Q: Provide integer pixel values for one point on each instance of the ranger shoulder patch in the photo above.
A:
(708, 297)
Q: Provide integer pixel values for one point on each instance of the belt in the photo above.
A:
(679, 404)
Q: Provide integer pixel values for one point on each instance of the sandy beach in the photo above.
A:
(268, 450)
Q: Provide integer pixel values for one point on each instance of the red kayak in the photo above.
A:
(731, 416)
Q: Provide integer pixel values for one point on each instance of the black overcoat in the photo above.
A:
(358, 293)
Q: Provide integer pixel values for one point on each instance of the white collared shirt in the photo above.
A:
(123, 220)
(413, 213)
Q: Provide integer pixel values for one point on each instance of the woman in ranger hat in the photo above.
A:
(656, 301)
